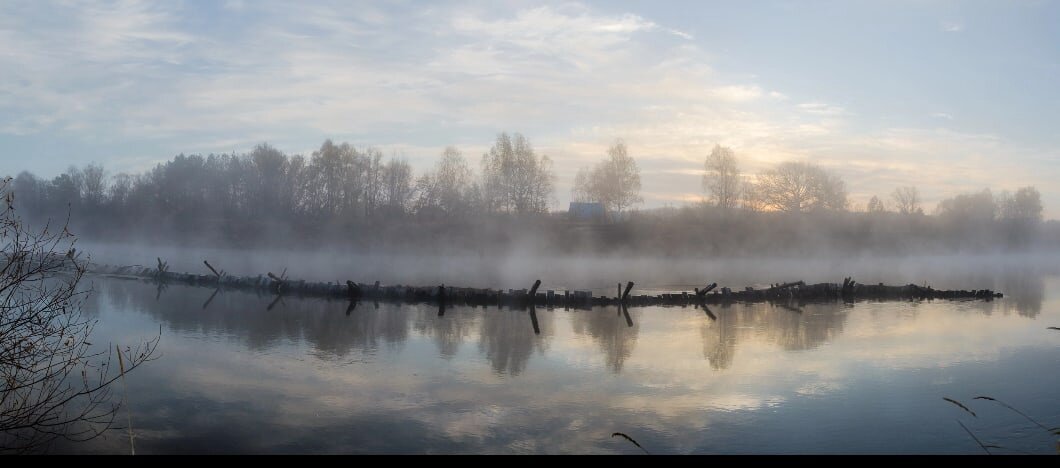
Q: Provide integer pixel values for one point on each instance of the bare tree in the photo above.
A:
(581, 188)
(969, 207)
(615, 181)
(798, 186)
(1024, 205)
(52, 382)
(751, 197)
(453, 180)
(397, 186)
(907, 200)
(515, 179)
(875, 205)
(373, 179)
(94, 185)
(722, 177)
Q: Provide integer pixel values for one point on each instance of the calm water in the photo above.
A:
(306, 377)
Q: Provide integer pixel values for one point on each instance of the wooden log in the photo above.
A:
(533, 291)
(788, 285)
(704, 291)
(580, 298)
(215, 272)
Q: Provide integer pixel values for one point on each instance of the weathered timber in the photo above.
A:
(533, 291)
(787, 293)
(625, 295)
(701, 292)
(219, 275)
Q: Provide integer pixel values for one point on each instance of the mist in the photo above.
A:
(350, 214)
(353, 203)
(529, 227)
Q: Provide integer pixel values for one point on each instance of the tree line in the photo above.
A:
(337, 182)
(342, 186)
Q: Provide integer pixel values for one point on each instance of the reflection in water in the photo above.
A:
(310, 375)
(794, 327)
(614, 334)
(1025, 289)
(507, 338)
(263, 321)
(448, 331)
(719, 338)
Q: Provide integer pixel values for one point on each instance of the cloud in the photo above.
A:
(951, 26)
(942, 115)
(820, 108)
(737, 93)
(413, 80)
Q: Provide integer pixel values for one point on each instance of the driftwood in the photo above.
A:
(785, 293)
(625, 295)
(219, 275)
(700, 292)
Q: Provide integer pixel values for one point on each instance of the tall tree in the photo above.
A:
(453, 180)
(875, 205)
(397, 186)
(615, 181)
(751, 197)
(799, 186)
(907, 200)
(580, 191)
(721, 179)
(515, 179)
(1024, 205)
(969, 207)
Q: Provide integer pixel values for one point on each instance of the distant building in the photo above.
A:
(592, 211)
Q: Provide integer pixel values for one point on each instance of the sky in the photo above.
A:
(949, 96)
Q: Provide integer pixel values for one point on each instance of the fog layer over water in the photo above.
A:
(246, 373)
(520, 268)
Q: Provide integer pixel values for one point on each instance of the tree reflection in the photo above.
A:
(615, 334)
(1025, 290)
(450, 330)
(793, 326)
(263, 321)
(508, 339)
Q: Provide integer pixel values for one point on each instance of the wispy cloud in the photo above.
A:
(820, 108)
(573, 77)
(737, 93)
(951, 26)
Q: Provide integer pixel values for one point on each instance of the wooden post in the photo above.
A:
(533, 292)
(352, 290)
(707, 289)
(219, 275)
(625, 295)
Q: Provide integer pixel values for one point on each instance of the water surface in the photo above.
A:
(242, 373)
